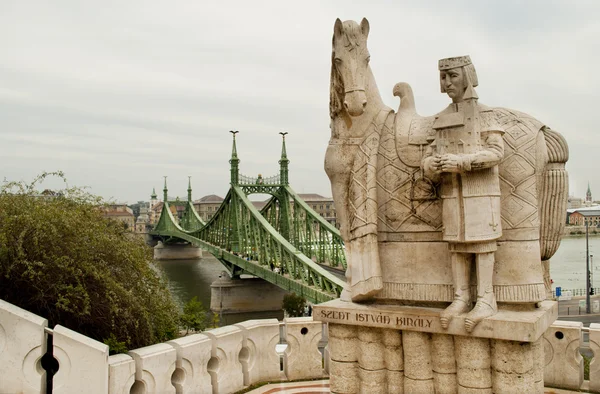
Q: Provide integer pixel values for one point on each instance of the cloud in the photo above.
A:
(121, 94)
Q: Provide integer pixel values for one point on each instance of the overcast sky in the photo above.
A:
(119, 93)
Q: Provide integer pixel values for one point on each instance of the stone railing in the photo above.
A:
(223, 360)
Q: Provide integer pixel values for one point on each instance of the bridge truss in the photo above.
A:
(286, 242)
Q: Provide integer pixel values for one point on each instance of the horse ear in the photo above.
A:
(338, 28)
(364, 26)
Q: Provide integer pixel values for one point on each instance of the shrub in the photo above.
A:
(60, 259)
(294, 304)
(193, 317)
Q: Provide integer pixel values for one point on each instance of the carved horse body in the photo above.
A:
(389, 214)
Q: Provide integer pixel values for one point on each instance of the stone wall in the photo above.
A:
(176, 252)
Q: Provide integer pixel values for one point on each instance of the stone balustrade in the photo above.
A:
(227, 359)
(223, 360)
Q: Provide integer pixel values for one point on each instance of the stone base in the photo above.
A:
(403, 349)
(176, 252)
(245, 295)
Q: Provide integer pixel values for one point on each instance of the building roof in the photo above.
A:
(588, 212)
(313, 197)
(117, 213)
(211, 198)
(592, 208)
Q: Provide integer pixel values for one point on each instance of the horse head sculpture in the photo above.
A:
(349, 61)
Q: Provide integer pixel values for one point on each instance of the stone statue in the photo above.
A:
(464, 154)
(437, 212)
(397, 229)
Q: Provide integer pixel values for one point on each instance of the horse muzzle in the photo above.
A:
(355, 101)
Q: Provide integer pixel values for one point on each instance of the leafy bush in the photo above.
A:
(193, 317)
(294, 304)
(60, 259)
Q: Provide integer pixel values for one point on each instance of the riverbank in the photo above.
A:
(580, 230)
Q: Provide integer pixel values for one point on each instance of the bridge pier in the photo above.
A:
(244, 295)
(176, 252)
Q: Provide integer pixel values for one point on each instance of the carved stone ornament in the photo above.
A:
(461, 207)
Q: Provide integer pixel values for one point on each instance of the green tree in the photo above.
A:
(60, 259)
(193, 317)
(294, 304)
(215, 320)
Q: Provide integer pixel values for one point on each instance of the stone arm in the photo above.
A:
(491, 154)
(430, 164)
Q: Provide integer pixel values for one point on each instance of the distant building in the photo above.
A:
(207, 206)
(579, 217)
(152, 215)
(259, 204)
(574, 202)
(322, 205)
(143, 220)
(121, 213)
(578, 202)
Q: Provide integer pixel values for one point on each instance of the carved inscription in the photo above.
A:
(375, 318)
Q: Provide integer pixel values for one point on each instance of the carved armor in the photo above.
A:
(471, 197)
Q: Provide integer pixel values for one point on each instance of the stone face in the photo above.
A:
(22, 344)
(258, 351)
(302, 359)
(564, 364)
(227, 374)
(154, 366)
(83, 363)
(121, 374)
(191, 374)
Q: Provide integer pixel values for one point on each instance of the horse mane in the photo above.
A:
(352, 37)
(336, 90)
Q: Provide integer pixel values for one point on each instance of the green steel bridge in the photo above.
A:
(285, 243)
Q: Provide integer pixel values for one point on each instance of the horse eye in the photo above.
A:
(368, 59)
(338, 60)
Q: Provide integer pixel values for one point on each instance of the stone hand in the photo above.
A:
(450, 163)
(435, 164)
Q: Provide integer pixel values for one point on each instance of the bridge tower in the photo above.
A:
(285, 210)
(234, 161)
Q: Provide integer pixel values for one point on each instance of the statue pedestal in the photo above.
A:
(378, 348)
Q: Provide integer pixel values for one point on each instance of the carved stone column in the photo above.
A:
(403, 349)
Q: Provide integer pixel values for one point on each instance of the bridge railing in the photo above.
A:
(248, 180)
(225, 359)
(576, 292)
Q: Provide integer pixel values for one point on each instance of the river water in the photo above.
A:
(189, 278)
(567, 266)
